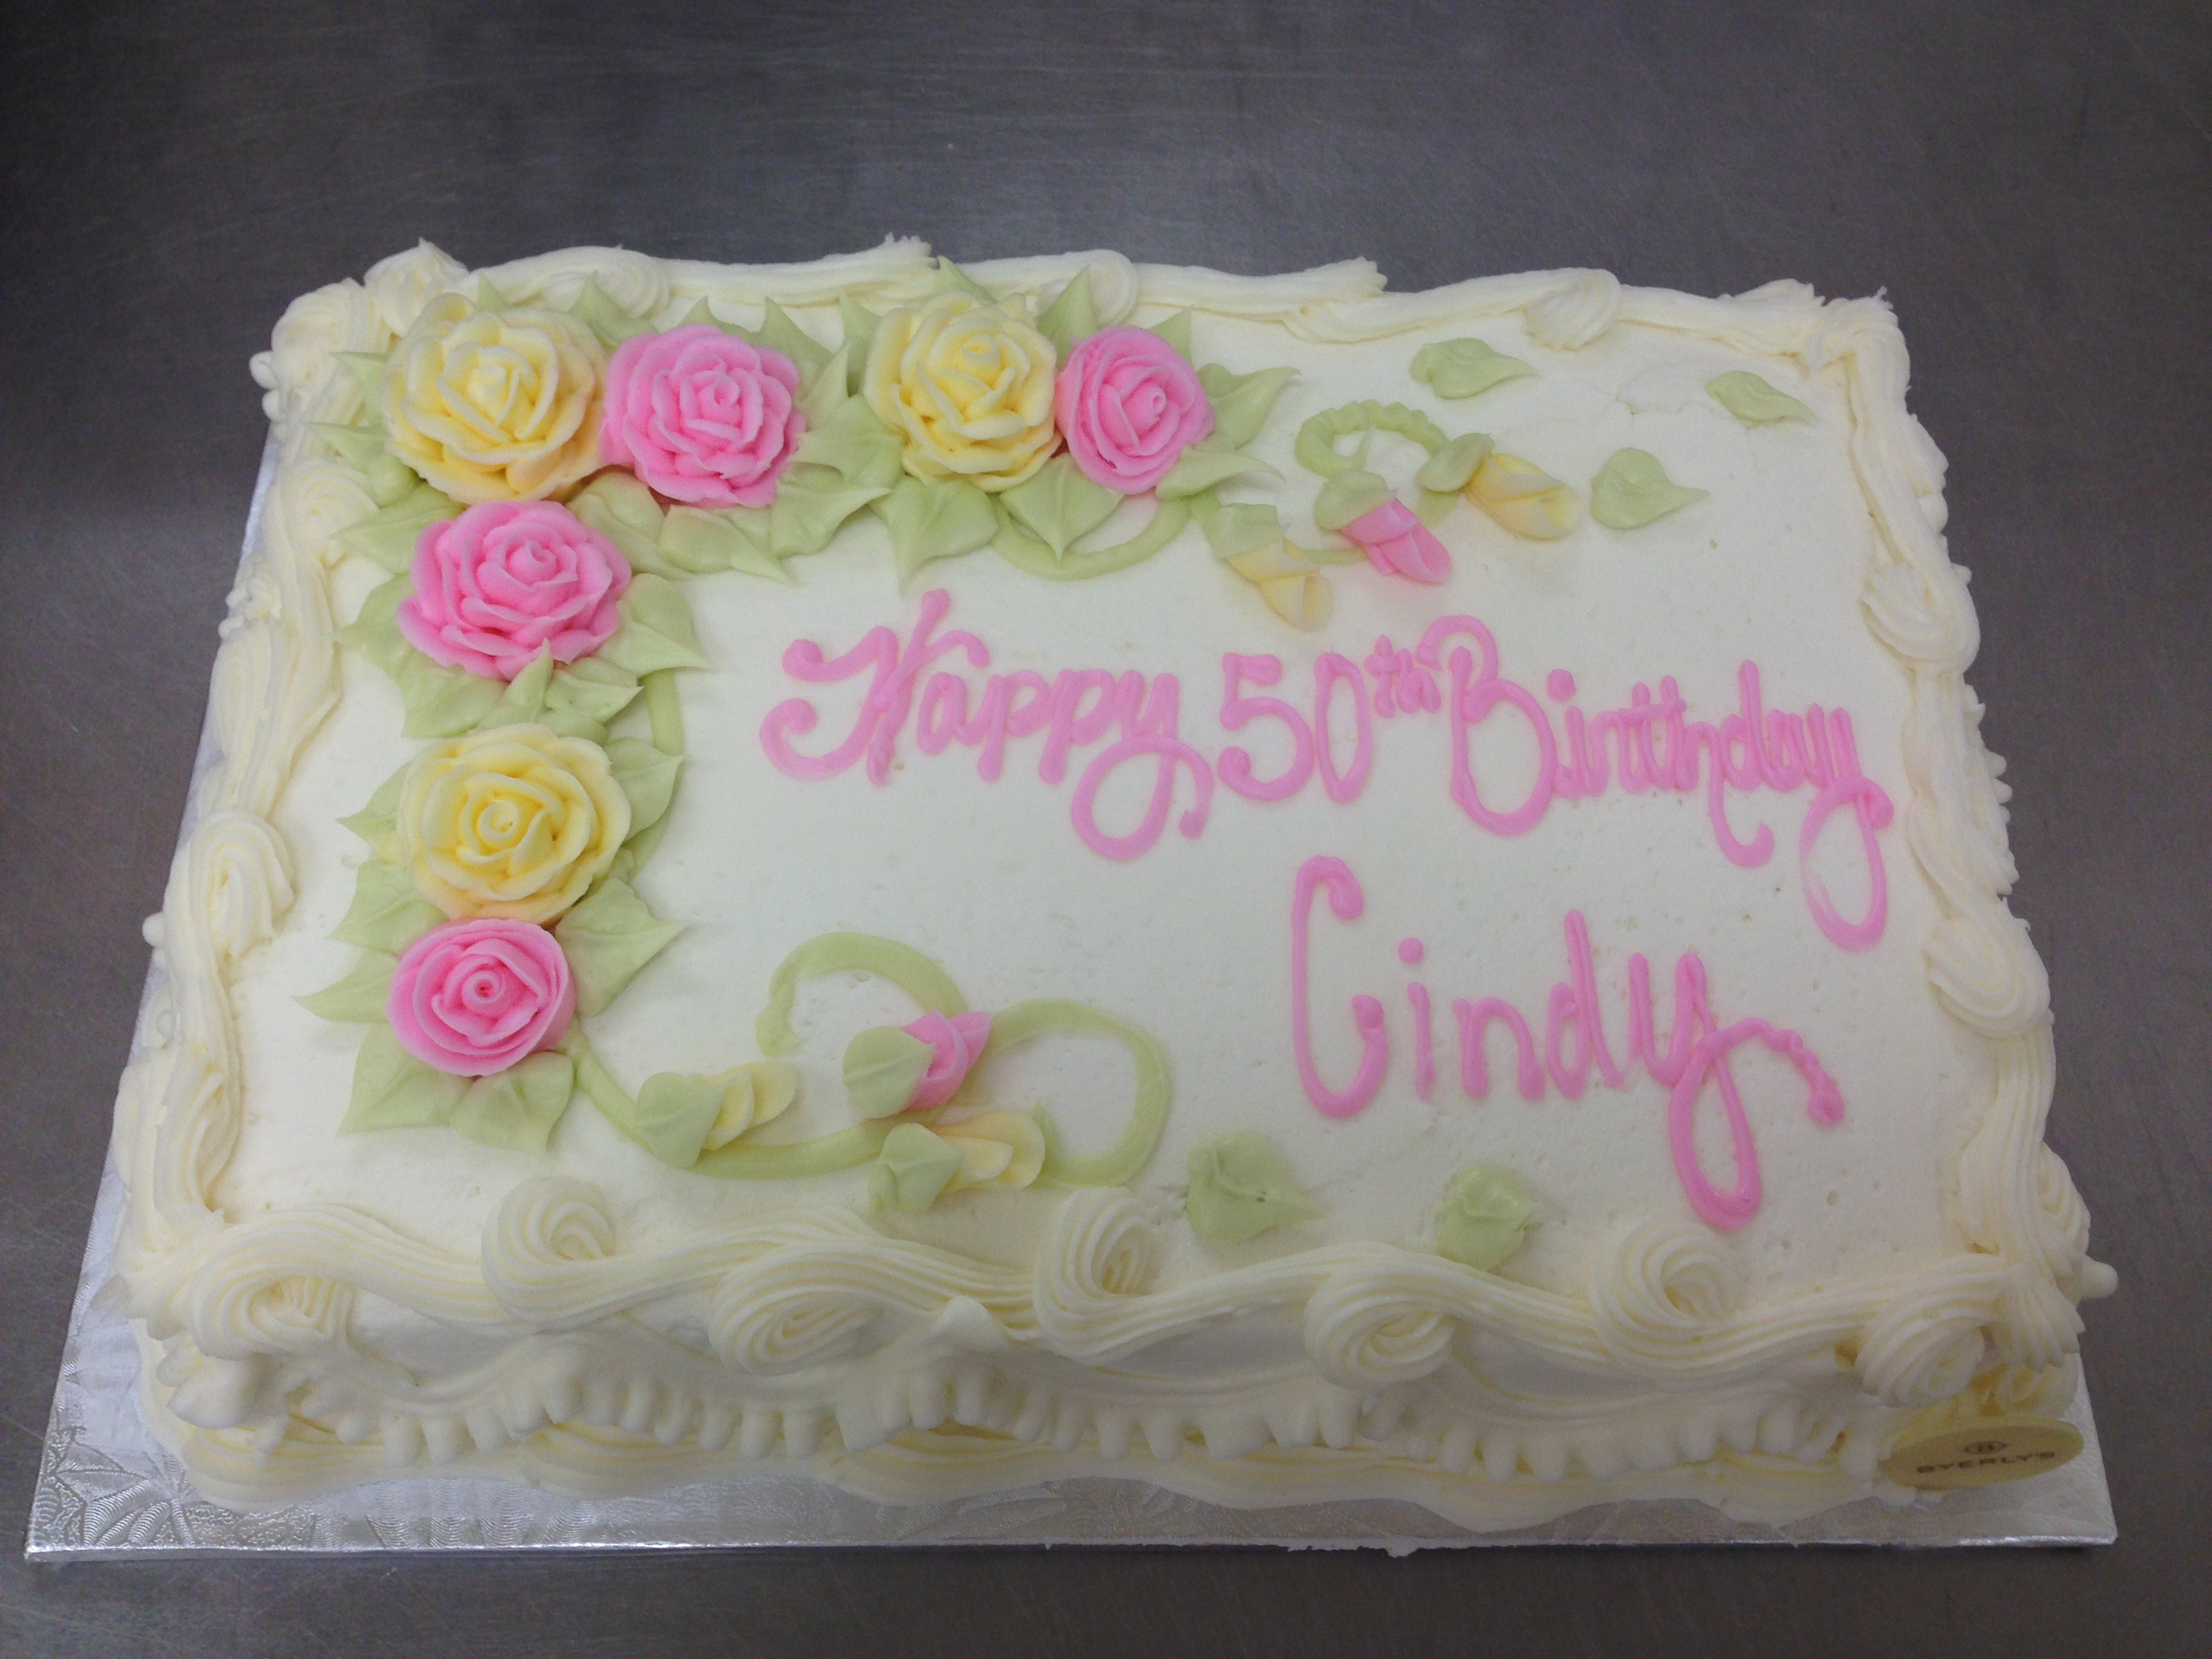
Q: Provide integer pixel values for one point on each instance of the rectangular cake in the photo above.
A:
(935, 879)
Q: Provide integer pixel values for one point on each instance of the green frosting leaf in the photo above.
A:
(812, 502)
(1240, 1188)
(852, 442)
(607, 937)
(517, 1108)
(626, 512)
(442, 701)
(1349, 495)
(1633, 489)
(1201, 467)
(393, 1090)
(778, 333)
(656, 629)
(1484, 1216)
(590, 690)
(1316, 446)
(647, 775)
(703, 314)
(381, 816)
(600, 314)
(1753, 401)
(1175, 331)
(836, 953)
(1059, 505)
(674, 1113)
(490, 298)
(913, 1168)
(376, 631)
(697, 541)
(1465, 368)
(830, 390)
(360, 997)
(363, 447)
(1071, 316)
(950, 279)
(1446, 472)
(663, 712)
(1241, 402)
(524, 699)
(1026, 552)
(388, 535)
(1241, 527)
(387, 914)
(859, 331)
(882, 1066)
(1121, 1163)
(930, 521)
(367, 368)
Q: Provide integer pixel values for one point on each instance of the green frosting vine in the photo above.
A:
(1316, 448)
(1026, 552)
(1120, 1163)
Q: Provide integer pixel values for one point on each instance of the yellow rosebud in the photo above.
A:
(968, 387)
(996, 1148)
(517, 822)
(1527, 501)
(495, 406)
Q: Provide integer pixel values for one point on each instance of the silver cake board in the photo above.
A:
(109, 1489)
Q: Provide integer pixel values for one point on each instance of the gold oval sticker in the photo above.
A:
(1983, 1453)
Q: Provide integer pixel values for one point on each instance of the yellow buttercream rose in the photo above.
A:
(968, 387)
(494, 405)
(517, 822)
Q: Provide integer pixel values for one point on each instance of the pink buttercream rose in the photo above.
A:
(958, 1042)
(508, 580)
(1129, 405)
(701, 416)
(472, 997)
(1396, 540)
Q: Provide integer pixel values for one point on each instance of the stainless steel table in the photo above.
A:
(2032, 184)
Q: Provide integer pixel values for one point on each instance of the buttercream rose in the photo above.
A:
(509, 580)
(472, 997)
(517, 822)
(955, 1044)
(1129, 405)
(1395, 541)
(967, 386)
(494, 405)
(700, 416)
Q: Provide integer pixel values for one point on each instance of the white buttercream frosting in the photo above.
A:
(328, 1306)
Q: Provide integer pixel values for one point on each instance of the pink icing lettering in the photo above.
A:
(1342, 787)
(1476, 691)
(1425, 1047)
(1347, 901)
(1729, 1210)
(1474, 1019)
(1172, 753)
(1238, 711)
(1872, 809)
(1574, 1003)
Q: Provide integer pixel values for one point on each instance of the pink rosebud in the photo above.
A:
(472, 997)
(1396, 540)
(958, 1040)
(701, 416)
(509, 580)
(1129, 405)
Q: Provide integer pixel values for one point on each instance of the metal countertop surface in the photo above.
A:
(2031, 184)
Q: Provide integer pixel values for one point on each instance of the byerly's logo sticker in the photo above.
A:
(1983, 1454)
